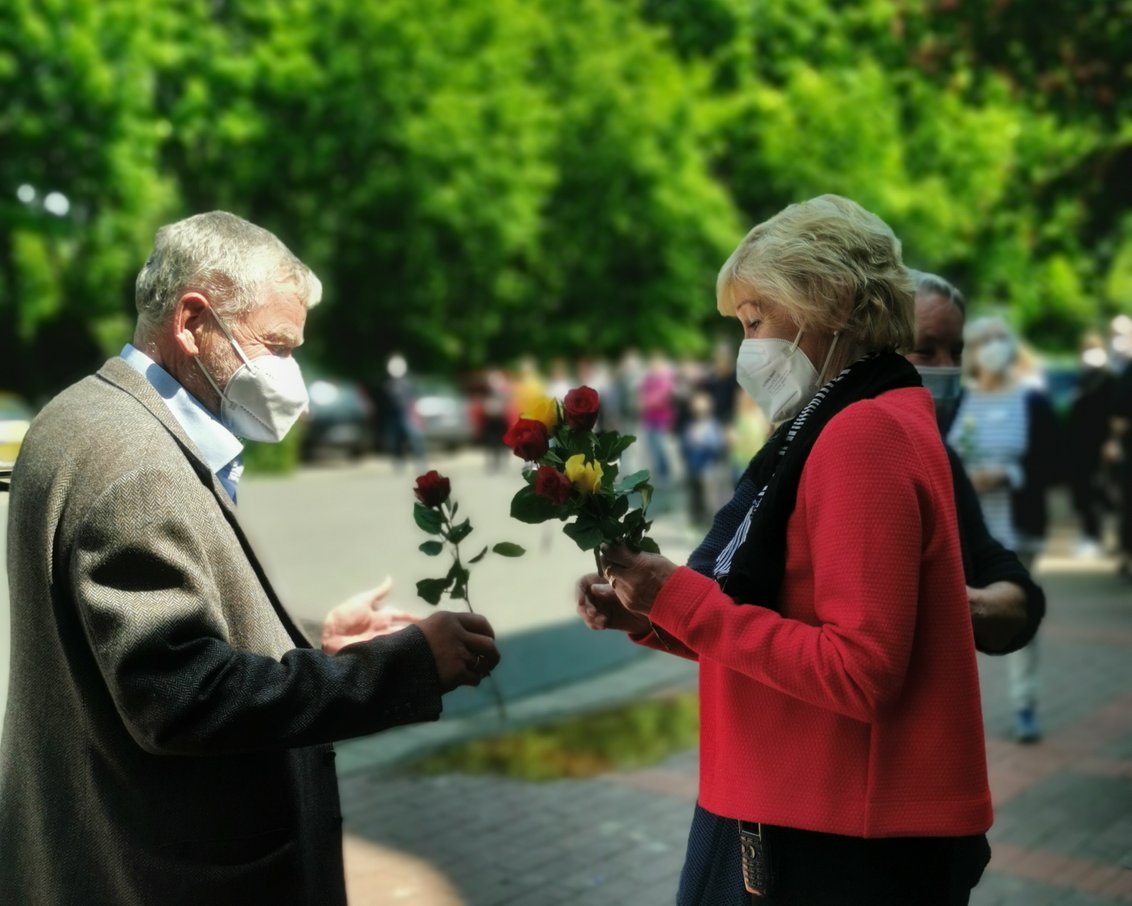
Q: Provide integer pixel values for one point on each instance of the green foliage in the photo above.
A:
(630, 736)
(475, 181)
(274, 459)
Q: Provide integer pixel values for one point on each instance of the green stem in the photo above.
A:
(496, 693)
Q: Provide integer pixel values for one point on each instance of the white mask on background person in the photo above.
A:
(777, 375)
(945, 386)
(264, 398)
(995, 355)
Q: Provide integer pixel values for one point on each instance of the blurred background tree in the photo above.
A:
(476, 181)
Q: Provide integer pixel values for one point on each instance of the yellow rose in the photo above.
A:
(585, 476)
(542, 409)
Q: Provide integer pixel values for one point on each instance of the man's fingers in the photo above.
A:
(380, 593)
(477, 623)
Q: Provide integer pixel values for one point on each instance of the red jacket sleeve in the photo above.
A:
(851, 587)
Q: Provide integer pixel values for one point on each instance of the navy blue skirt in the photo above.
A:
(815, 869)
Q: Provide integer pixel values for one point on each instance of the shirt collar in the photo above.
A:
(217, 444)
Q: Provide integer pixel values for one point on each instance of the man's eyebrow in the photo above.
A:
(283, 336)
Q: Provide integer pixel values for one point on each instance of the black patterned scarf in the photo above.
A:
(750, 567)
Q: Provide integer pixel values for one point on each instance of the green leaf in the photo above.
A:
(458, 574)
(432, 548)
(460, 532)
(587, 537)
(479, 556)
(634, 481)
(647, 544)
(529, 507)
(507, 549)
(432, 589)
(429, 520)
(646, 495)
(620, 506)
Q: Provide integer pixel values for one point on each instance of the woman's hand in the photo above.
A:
(635, 577)
(599, 608)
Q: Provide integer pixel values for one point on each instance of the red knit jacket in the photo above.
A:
(856, 709)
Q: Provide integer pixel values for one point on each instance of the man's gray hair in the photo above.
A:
(225, 258)
(935, 285)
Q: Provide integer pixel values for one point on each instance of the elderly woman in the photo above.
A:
(842, 757)
(1003, 432)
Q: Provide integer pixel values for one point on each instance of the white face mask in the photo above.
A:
(264, 398)
(995, 355)
(777, 375)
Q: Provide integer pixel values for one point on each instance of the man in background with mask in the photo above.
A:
(1006, 604)
(168, 730)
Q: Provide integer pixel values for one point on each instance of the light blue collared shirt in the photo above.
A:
(221, 449)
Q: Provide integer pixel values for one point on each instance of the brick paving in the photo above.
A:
(1062, 832)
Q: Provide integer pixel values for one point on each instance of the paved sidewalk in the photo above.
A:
(1062, 833)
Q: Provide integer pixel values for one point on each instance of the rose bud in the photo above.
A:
(552, 484)
(581, 407)
(432, 489)
(528, 439)
(585, 476)
(544, 409)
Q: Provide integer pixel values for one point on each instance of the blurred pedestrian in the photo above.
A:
(704, 445)
(1007, 606)
(1003, 433)
(748, 432)
(1087, 430)
(1120, 454)
(168, 728)
(402, 429)
(722, 384)
(841, 741)
(657, 407)
(496, 402)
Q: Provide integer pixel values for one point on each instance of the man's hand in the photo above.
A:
(463, 645)
(600, 608)
(636, 578)
(986, 480)
(363, 617)
(998, 614)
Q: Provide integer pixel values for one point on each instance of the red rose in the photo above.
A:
(528, 438)
(552, 484)
(581, 407)
(432, 489)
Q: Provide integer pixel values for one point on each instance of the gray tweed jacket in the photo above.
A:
(168, 726)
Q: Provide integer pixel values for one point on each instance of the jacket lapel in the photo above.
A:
(125, 378)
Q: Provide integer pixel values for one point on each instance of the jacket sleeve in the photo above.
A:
(864, 502)
(985, 561)
(151, 609)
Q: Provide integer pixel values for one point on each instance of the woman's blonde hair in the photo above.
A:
(834, 267)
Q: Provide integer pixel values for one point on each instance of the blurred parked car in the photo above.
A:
(340, 421)
(15, 416)
(442, 413)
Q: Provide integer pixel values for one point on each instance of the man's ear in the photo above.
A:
(189, 318)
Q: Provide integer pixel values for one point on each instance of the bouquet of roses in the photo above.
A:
(573, 474)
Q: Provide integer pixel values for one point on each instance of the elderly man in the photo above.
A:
(168, 729)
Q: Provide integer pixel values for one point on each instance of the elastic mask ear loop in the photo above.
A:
(829, 354)
(231, 339)
(236, 346)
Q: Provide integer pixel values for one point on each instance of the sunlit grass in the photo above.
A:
(630, 736)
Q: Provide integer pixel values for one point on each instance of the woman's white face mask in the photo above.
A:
(264, 398)
(778, 375)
